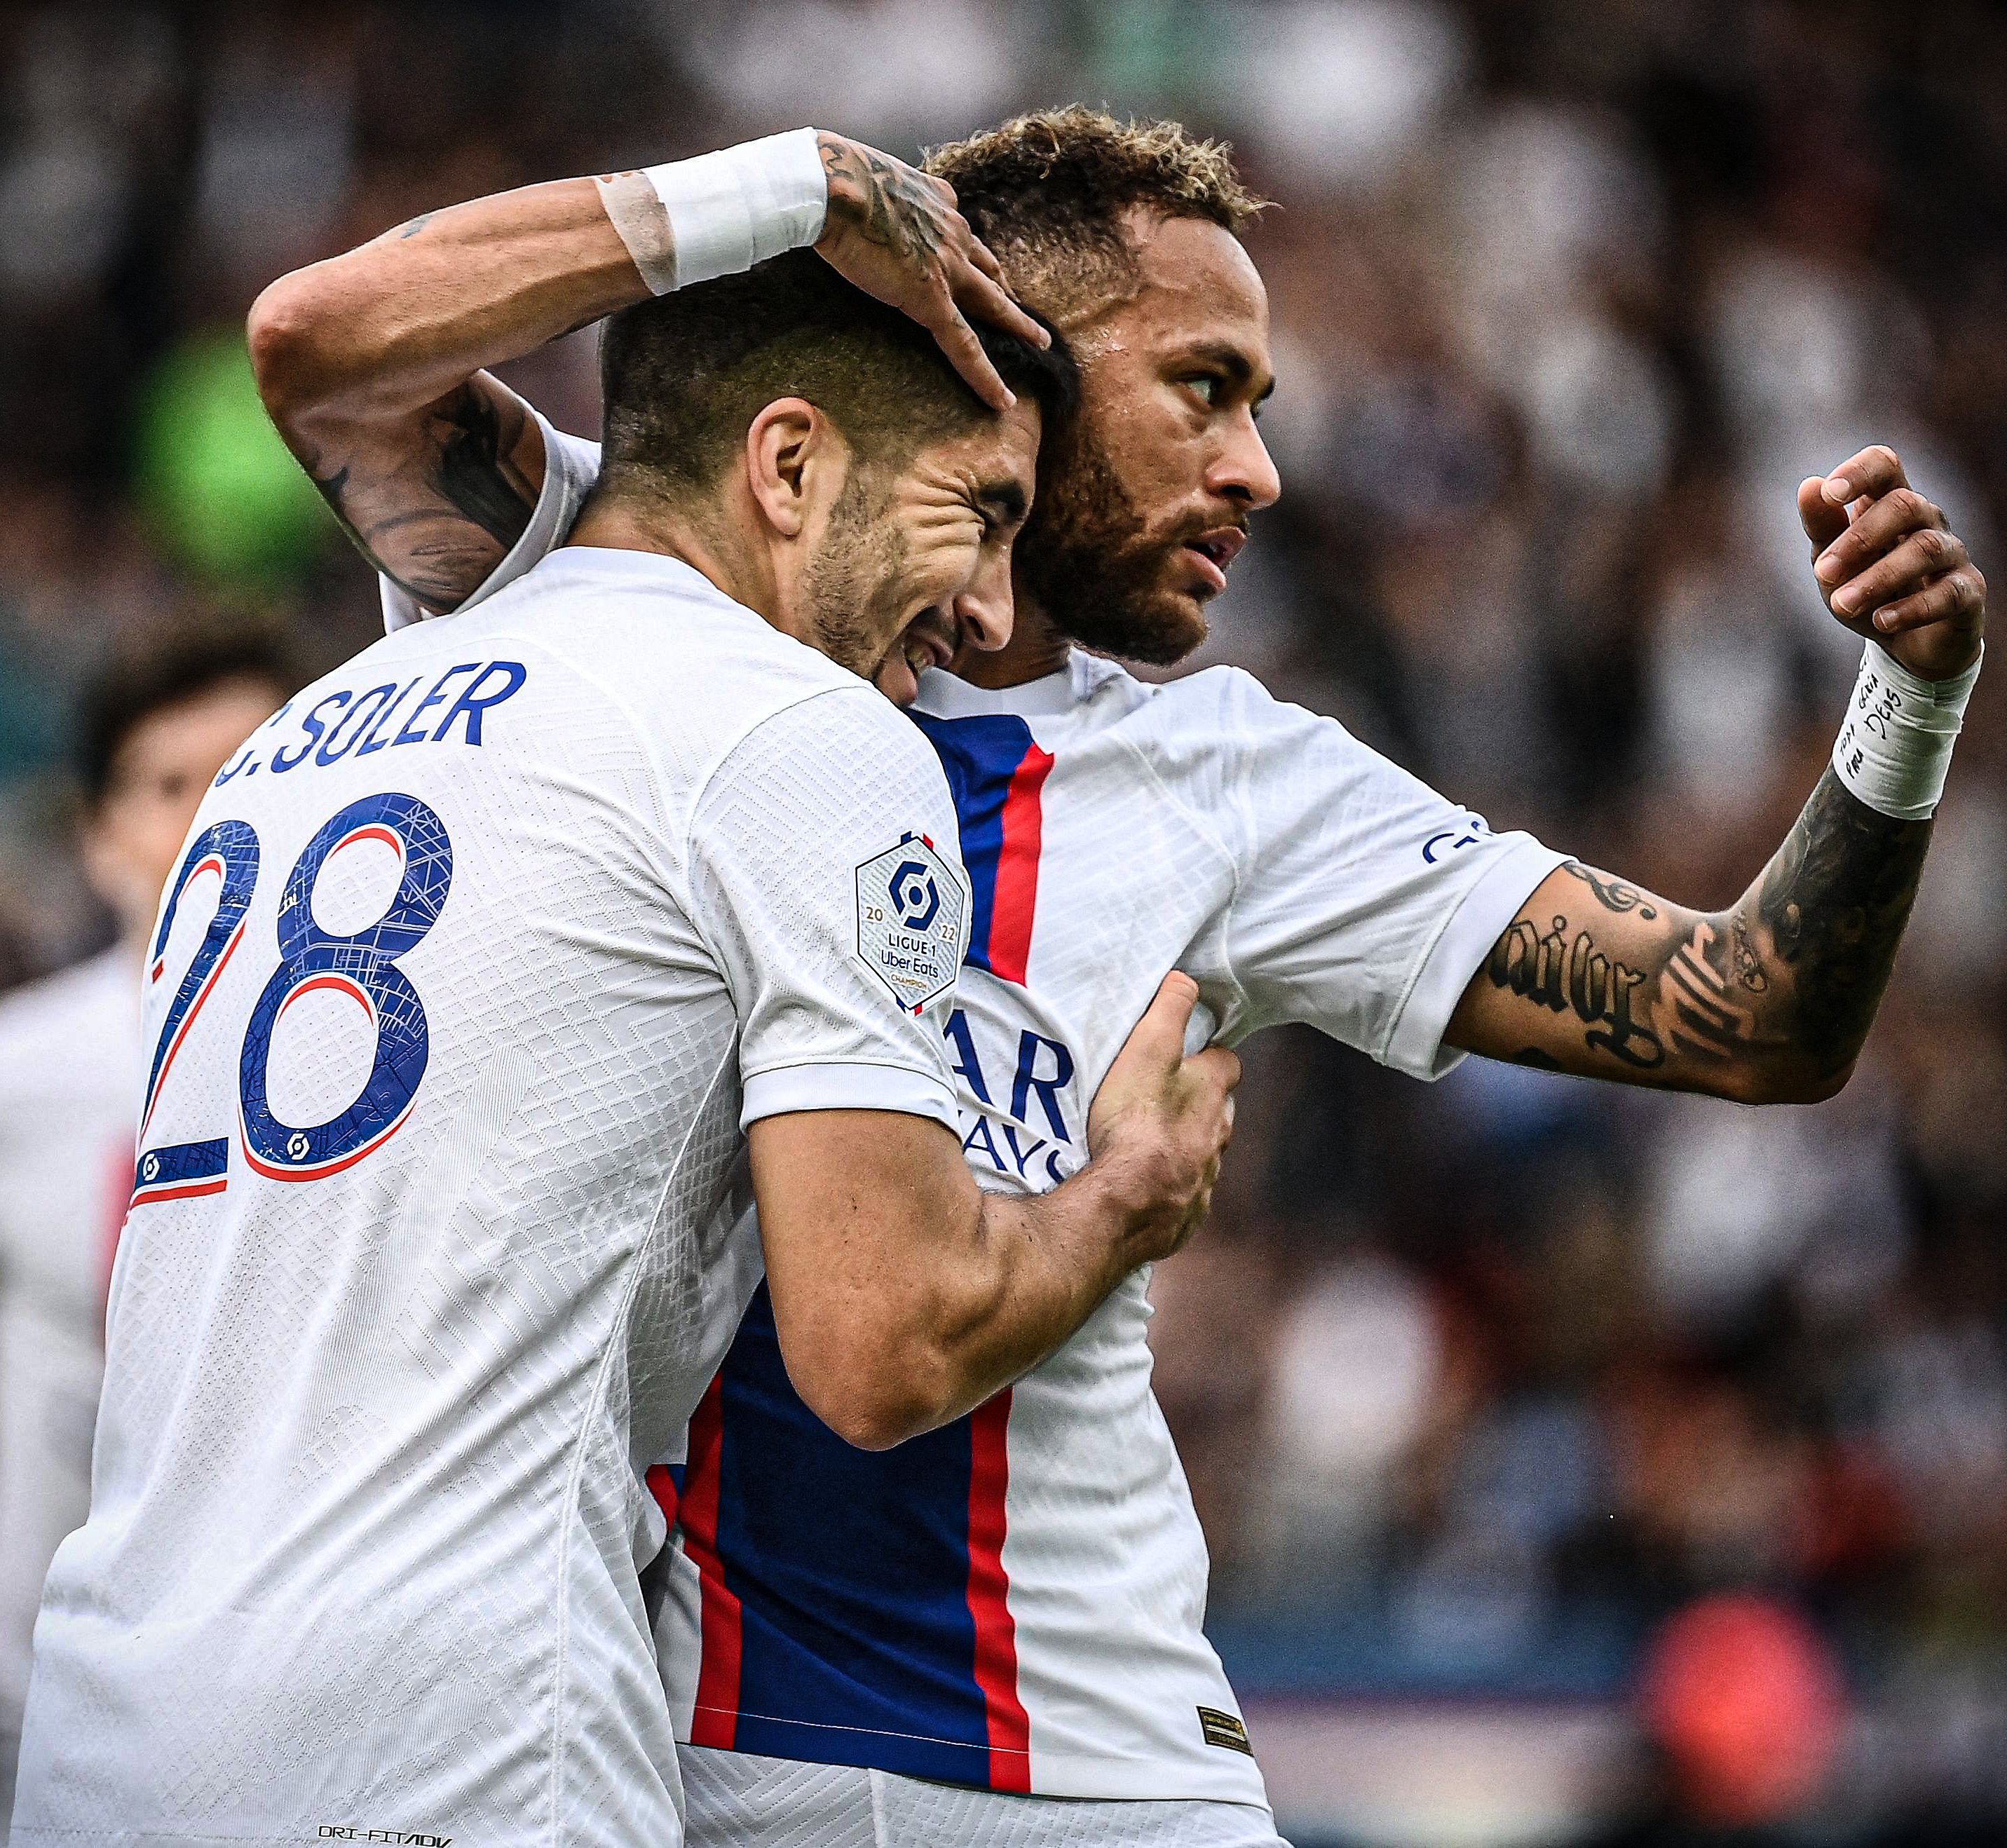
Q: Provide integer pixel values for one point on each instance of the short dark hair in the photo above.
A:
(685, 374)
(1047, 193)
(165, 665)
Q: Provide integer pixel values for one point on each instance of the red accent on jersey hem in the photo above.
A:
(715, 1720)
(1017, 900)
(193, 1190)
(990, 1594)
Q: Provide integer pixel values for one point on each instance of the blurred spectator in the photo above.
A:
(1743, 1705)
(158, 726)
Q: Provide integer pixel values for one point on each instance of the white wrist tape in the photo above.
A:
(1895, 749)
(687, 221)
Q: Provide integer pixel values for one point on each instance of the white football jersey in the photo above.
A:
(1016, 1600)
(483, 952)
(69, 1062)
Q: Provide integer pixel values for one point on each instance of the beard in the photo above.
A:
(1084, 554)
(861, 552)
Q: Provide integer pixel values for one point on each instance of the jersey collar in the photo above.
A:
(944, 695)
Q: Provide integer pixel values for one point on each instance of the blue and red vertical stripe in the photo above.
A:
(997, 774)
(854, 1607)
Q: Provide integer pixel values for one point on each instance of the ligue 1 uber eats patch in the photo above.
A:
(910, 904)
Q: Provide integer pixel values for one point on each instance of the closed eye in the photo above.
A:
(1002, 505)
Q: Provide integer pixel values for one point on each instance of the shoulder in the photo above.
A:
(1228, 707)
(687, 669)
(843, 741)
(1269, 775)
(1221, 730)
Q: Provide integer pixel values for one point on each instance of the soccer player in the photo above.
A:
(158, 720)
(503, 965)
(1012, 1605)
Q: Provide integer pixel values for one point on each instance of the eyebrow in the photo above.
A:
(1233, 362)
(1005, 500)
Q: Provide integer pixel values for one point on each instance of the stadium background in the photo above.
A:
(1577, 1465)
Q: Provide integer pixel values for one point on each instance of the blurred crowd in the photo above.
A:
(1510, 1386)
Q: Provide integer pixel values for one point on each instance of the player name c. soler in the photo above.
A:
(433, 707)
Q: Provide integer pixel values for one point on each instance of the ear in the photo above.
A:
(795, 460)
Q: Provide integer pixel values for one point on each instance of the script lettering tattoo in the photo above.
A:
(438, 520)
(1612, 894)
(893, 206)
(1561, 974)
(1770, 1000)
(1834, 902)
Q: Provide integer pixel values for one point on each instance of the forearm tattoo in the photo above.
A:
(1833, 904)
(439, 522)
(474, 471)
(893, 206)
(1788, 979)
(405, 232)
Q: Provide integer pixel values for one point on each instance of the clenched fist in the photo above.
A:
(1890, 567)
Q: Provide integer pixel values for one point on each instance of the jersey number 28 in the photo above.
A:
(360, 963)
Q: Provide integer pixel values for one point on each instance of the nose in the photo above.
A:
(983, 612)
(1244, 471)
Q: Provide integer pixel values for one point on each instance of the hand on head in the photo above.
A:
(894, 232)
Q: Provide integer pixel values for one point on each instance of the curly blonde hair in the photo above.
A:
(1048, 192)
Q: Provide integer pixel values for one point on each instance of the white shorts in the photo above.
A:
(739, 1800)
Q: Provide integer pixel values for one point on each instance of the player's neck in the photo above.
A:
(619, 523)
(1035, 650)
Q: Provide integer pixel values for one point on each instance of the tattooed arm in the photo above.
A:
(371, 363)
(1770, 1001)
(1767, 1003)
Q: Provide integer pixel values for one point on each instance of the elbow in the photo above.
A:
(876, 1427)
(1815, 1087)
(879, 1394)
(873, 1417)
(1798, 1082)
(294, 351)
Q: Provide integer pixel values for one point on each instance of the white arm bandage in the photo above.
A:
(1895, 749)
(687, 221)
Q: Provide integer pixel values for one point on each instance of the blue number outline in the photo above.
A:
(362, 964)
(180, 1170)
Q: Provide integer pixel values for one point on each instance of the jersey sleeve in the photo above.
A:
(571, 466)
(1364, 902)
(826, 875)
